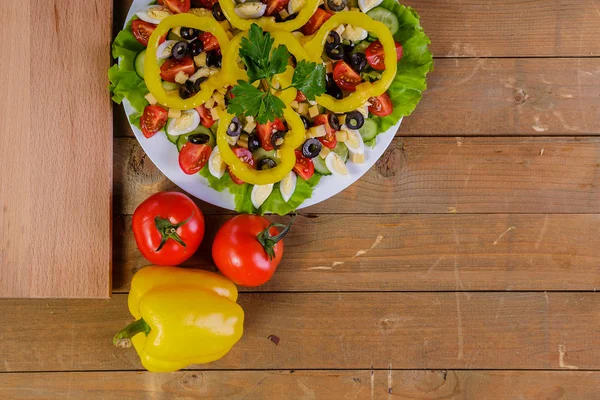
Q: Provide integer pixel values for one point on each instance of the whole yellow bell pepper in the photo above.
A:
(183, 317)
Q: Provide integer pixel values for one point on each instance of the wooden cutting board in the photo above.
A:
(55, 149)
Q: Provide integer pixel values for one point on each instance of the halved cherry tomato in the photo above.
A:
(153, 120)
(381, 105)
(142, 31)
(376, 56)
(193, 157)
(274, 6)
(345, 77)
(172, 67)
(209, 41)
(178, 6)
(265, 131)
(329, 140)
(314, 23)
(246, 156)
(304, 166)
(206, 118)
(204, 3)
(300, 96)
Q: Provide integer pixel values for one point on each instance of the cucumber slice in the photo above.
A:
(168, 86)
(172, 138)
(361, 47)
(139, 63)
(320, 166)
(215, 127)
(260, 154)
(386, 17)
(182, 139)
(352, 3)
(174, 36)
(369, 130)
(342, 150)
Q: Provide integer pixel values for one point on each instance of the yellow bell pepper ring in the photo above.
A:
(268, 23)
(366, 89)
(152, 69)
(293, 139)
(183, 317)
(231, 72)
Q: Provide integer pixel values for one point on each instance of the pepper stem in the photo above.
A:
(123, 338)
(268, 241)
(169, 231)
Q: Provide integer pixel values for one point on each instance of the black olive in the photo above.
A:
(305, 121)
(291, 17)
(333, 39)
(198, 138)
(235, 127)
(218, 13)
(329, 79)
(277, 139)
(253, 142)
(293, 60)
(355, 120)
(335, 52)
(187, 33)
(311, 148)
(196, 47)
(197, 83)
(179, 50)
(266, 163)
(278, 18)
(336, 5)
(213, 59)
(334, 122)
(358, 62)
(185, 92)
(334, 91)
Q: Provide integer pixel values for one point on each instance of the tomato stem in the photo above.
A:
(169, 231)
(123, 337)
(268, 241)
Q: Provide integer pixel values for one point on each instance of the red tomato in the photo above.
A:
(206, 118)
(376, 56)
(300, 97)
(178, 6)
(172, 67)
(248, 248)
(274, 6)
(265, 131)
(168, 228)
(246, 156)
(142, 31)
(209, 41)
(153, 120)
(204, 3)
(193, 157)
(381, 105)
(314, 23)
(329, 140)
(345, 77)
(304, 166)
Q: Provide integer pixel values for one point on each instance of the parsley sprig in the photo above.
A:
(262, 63)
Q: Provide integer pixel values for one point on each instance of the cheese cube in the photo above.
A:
(303, 108)
(214, 113)
(210, 103)
(243, 141)
(181, 77)
(357, 158)
(200, 60)
(294, 105)
(313, 111)
(284, 14)
(342, 119)
(316, 131)
(249, 127)
(340, 29)
(173, 113)
(324, 152)
(328, 67)
(218, 97)
(150, 99)
(341, 136)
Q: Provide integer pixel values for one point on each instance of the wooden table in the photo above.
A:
(464, 265)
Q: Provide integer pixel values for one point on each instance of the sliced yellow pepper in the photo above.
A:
(268, 23)
(230, 70)
(152, 69)
(293, 139)
(366, 89)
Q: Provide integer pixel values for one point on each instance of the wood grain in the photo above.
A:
(55, 173)
(356, 384)
(432, 175)
(555, 331)
(414, 253)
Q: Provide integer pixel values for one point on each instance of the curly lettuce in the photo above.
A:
(124, 81)
(407, 87)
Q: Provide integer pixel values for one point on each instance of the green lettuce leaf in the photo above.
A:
(410, 81)
(274, 204)
(124, 82)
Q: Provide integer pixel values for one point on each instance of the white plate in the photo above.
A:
(165, 156)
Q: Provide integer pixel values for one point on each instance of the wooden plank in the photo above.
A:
(433, 175)
(501, 28)
(414, 253)
(331, 331)
(493, 97)
(55, 169)
(356, 384)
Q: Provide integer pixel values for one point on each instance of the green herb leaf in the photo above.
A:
(247, 101)
(255, 51)
(272, 107)
(279, 60)
(309, 78)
